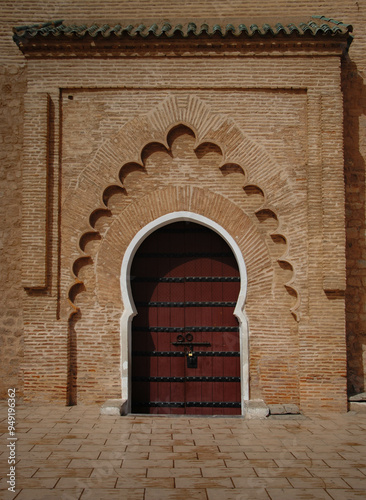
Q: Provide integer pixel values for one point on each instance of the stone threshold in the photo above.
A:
(114, 407)
(358, 402)
(253, 409)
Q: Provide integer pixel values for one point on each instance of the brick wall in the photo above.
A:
(13, 86)
(276, 126)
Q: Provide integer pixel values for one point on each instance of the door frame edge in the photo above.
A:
(129, 309)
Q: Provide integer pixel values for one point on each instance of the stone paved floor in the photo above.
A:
(71, 453)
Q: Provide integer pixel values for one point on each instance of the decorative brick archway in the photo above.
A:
(130, 309)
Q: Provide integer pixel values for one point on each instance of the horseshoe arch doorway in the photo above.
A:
(188, 340)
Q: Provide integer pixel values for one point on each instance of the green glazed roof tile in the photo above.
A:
(316, 26)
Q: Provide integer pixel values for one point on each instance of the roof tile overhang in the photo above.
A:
(181, 38)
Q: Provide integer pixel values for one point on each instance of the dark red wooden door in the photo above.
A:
(185, 338)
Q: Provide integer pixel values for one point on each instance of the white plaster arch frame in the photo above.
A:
(130, 310)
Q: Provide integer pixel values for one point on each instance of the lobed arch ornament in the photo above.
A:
(126, 152)
(130, 310)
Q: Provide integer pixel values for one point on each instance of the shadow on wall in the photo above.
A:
(354, 92)
(72, 365)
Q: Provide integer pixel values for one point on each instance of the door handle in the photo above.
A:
(188, 340)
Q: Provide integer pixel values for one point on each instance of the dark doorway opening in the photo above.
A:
(185, 338)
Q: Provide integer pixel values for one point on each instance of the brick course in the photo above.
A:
(254, 142)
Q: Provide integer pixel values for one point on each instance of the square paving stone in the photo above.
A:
(77, 454)
(357, 483)
(122, 455)
(301, 462)
(251, 463)
(283, 472)
(346, 494)
(25, 471)
(174, 472)
(298, 494)
(86, 482)
(228, 472)
(47, 494)
(261, 482)
(86, 463)
(237, 494)
(199, 463)
(317, 482)
(145, 482)
(117, 472)
(30, 482)
(175, 494)
(203, 482)
(111, 494)
(45, 463)
(333, 472)
(62, 472)
(131, 464)
(173, 455)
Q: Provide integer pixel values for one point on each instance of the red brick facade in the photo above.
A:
(265, 139)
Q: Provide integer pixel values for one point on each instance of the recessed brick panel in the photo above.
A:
(35, 190)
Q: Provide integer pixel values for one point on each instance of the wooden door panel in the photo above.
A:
(218, 393)
(164, 395)
(217, 345)
(230, 291)
(231, 367)
(230, 341)
(218, 365)
(186, 281)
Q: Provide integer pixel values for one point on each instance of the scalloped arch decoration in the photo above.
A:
(125, 150)
(126, 146)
